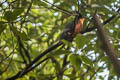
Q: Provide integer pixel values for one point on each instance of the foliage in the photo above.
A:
(28, 27)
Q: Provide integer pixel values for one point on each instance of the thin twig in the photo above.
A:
(7, 66)
(63, 10)
(95, 72)
(104, 23)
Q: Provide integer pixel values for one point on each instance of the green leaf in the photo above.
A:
(21, 34)
(75, 60)
(17, 12)
(66, 42)
(57, 66)
(80, 41)
(40, 3)
(118, 34)
(55, 1)
(59, 52)
(9, 16)
(98, 43)
(2, 27)
(86, 60)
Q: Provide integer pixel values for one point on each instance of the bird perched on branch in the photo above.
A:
(73, 28)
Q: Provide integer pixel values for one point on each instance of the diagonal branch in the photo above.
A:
(104, 23)
(30, 69)
(26, 70)
(106, 46)
(63, 10)
(21, 46)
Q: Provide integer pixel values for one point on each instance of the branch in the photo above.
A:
(64, 61)
(28, 8)
(63, 10)
(104, 23)
(26, 70)
(19, 73)
(44, 53)
(110, 52)
(7, 66)
(21, 45)
(6, 57)
(21, 52)
(91, 77)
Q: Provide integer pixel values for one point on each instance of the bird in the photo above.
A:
(72, 28)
